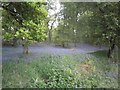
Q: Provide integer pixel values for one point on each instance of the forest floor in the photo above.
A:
(48, 66)
(9, 53)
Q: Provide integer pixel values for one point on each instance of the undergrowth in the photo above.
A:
(60, 71)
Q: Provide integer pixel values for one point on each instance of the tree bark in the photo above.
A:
(49, 36)
(111, 47)
(63, 44)
(25, 49)
(25, 46)
(110, 51)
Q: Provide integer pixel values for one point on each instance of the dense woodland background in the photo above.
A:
(69, 25)
(78, 22)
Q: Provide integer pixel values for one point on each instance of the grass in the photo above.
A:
(103, 54)
(65, 71)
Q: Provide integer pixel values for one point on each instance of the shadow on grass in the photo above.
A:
(102, 53)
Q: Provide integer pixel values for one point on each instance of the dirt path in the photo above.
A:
(9, 53)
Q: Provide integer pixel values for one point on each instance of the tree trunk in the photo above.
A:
(49, 36)
(112, 42)
(25, 49)
(110, 51)
(63, 44)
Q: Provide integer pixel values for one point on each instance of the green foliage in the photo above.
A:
(53, 71)
(61, 79)
(62, 35)
(7, 36)
(94, 22)
(27, 23)
(104, 22)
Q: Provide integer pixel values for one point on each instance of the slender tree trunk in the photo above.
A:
(110, 51)
(49, 36)
(111, 47)
(25, 49)
(63, 44)
(25, 46)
